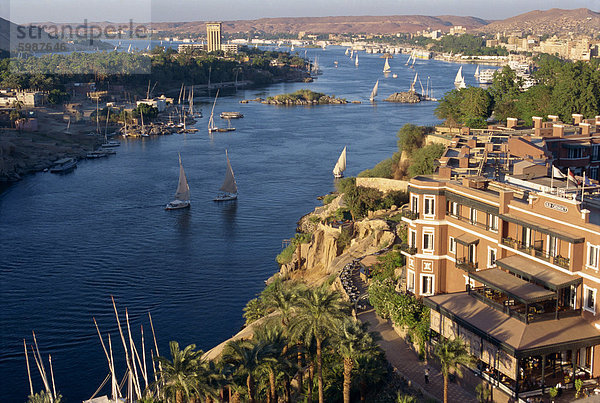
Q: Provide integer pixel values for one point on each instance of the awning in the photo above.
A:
(560, 234)
(467, 239)
(537, 272)
(470, 202)
(513, 286)
(574, 146)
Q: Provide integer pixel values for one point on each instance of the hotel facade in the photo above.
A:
(514, 272)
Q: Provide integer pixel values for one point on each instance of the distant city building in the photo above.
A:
(458, 30)
(184, 47)
(213, 36)
(229, 48)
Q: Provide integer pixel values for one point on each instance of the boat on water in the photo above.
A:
(340, 165)
(356, 62)
(211, 121)
(476, 75)
(229, 190)
(386, 66)
(182, 194)
(486, 76)
(394, 75)
(231, 115)
(64, 165)
(96, 154)
(459, 80)
(374, 91)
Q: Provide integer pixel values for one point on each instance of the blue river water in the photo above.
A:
(69, 242)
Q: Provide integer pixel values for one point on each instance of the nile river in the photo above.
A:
(69, 242)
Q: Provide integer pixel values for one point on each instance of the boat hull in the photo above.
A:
(177, 205)
(225, 197)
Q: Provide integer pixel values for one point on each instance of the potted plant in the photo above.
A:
(553, 392)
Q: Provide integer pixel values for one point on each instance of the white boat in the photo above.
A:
(459, 80)
(292, 48)
(356, 62)
(414, 81)
(374, 91)
(231, 115)
(408, 61)
(486, 76)
(347, 49)
(211, 122)
(476, 75)
(386, 66)
(182, 194)
(229, 188)
(394, 75)
(340, 165)
(63, 165)
(108, 143)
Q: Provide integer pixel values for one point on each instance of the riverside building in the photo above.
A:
(512, 267)
(213, 36)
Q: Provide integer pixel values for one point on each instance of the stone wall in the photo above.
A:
(382, 184)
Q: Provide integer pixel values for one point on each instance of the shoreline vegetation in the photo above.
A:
(304, 97)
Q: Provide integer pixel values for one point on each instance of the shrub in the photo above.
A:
(423, 160)
(329, 198)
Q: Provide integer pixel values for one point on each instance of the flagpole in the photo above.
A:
(568, 177)
(552, 179)
(583, 186)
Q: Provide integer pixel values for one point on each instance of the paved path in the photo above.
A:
(407, 363)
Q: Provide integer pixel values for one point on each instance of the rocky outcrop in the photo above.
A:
(324, 100)
(409, 97)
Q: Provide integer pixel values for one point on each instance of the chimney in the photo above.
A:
(597, 120)
(537, 122)
(585, 129)
(553, 118)
(511, 122)
(463, 161)
(585, 215)
(472, 143)
(465, 130)
(505, 199)
(445, 172)
(558, 131)
(577, 118)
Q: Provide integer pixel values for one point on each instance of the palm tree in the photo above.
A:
(319, 314)
(178, 375)
(353, 342)
(370, 370)
(246, 357)
(451, 353)
(271, 335)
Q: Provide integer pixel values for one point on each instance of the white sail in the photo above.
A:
(386, 66)
(183, 190)
(356, 63)
(477, 71)
(459, 77)
(211, 121)
(340, 165)
(292, 48)
(412, 85)
(346, 51)
(229, 184)
(374, 91)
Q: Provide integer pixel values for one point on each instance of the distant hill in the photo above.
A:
(554, 21)
(351, 24)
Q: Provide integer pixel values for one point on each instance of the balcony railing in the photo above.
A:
(469, 221)
(411, 215)
(411, 250)
(558, 260)
(463, 264)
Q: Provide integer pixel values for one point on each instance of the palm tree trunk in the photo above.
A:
(348, 364)
(179, 396)
(208, 399)
(363, 391)
(288, 392)
(236, 397)
(250, 386)
(311, 376)
(445, 388)
(300, 372)
(273, 393)
(320, 371)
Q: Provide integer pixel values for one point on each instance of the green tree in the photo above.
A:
(423, 161)
(505, 90)
(319, 315)
(536, 101)
(452, 353)
(245, 357)
(44, 397)
(371, 370)
(276, 361)
(475, 104)
(410, 138)
(177, 376)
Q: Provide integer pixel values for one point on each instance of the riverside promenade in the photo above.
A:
(407, 363)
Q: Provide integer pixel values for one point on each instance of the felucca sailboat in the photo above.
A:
(229, 188)
(182, 194)
(374, 91)
(386, 66)
(459, 80)
(340, 165)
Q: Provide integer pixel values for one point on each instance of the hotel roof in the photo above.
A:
(537, 272)
(515, 287)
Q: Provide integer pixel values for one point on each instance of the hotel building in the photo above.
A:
(512, 267)
(213, 36)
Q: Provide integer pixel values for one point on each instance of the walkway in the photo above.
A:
(407, 363)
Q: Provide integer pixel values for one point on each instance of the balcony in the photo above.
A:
(411, 215)
(465, 265)
(561, 261)
(558, 260)
(411, 250)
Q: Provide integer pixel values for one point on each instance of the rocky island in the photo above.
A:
(304, 97)
(408, 97)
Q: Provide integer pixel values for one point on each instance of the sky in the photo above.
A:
(22, 11)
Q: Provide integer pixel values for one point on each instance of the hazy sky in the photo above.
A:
(193, 10)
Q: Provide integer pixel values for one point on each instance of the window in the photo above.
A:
(429, 209)
(427, 284)
(412, 238)
(589, 303)
(410, 281)
(473, 216)
(573, 297)
(472, 253)
(414, 205)
(428, 240)
(453, 209)
(592, 261)
(491, 262)
(492, 222)
(469, 282)
(575, 152)
(594, 173)
(596, 152)
(552, 250)
(526, 240)
(452, 245)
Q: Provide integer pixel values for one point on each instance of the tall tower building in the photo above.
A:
(213, 36)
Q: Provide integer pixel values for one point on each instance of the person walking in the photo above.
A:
(426, 375)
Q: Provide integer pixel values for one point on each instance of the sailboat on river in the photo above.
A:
(229, 188)
(182, 194)
(340, 165)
